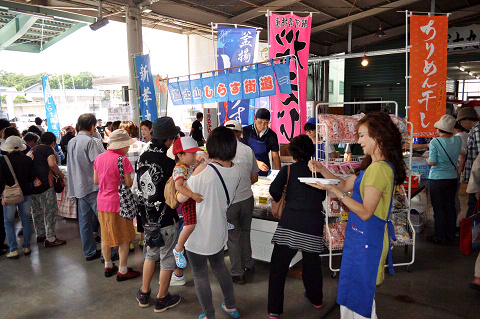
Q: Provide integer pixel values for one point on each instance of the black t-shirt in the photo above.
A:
(153, 170)
(22, 167)
(40, 153)
(197, 133)
(101, 130)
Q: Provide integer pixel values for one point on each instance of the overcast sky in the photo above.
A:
(102, 52)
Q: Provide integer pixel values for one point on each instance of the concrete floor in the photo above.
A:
(58, 283)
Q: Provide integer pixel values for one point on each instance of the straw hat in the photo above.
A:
(446, 123)
(12, 144)
(120, 139)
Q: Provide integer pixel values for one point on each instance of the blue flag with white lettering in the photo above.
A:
(148, 102)
(50, 108)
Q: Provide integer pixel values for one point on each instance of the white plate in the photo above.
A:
(320, 180)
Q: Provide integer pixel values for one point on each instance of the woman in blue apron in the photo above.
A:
(368, 232)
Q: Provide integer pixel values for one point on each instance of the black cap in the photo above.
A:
(164, 127)
(263, 114)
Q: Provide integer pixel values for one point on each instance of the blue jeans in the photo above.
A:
(9, 220)
(87, 215)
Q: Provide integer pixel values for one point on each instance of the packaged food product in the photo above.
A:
(335, 206)
(337, 234)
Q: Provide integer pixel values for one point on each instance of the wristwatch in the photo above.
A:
(343, 196)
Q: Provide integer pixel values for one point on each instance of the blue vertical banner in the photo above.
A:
(50, 108)
(148, 102)
(235, 47)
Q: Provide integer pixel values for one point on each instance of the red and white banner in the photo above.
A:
(428, 71)
(290, 34)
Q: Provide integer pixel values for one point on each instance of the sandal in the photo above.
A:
(232, 313)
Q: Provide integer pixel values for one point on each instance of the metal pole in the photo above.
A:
(133, 48)
(350, 26)
(432, 6)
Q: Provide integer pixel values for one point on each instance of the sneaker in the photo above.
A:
(27, 251)
(143, 298)
(169, 301)
(239, 280)
(320, 306)
(273, 316)
(129, 275)
(177, 281)
(41, 239)
(13, 255)
(180, 258)
(56, 242)
(109, 272)
(97, 255)
(131, 247)
(141, 243)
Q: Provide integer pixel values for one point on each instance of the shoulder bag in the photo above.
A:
(128, 205)
(153, 235)
(11, 194)
(278, 207)
(58, 181)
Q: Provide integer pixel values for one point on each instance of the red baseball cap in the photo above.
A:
(186, 145)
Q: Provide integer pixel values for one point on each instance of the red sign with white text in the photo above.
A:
(428, 71)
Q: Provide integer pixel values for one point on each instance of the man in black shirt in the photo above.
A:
(197, 130)
(101, 128)
(153, 170)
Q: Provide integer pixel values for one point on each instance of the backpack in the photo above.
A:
(170, 194)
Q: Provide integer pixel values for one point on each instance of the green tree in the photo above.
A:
(4, 99)
(20, 99)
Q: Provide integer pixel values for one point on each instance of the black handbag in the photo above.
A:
(128, 205)
(153, 236)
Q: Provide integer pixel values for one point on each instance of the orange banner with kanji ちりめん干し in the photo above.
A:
(428, 72)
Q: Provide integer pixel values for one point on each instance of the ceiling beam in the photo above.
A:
(362, 15)
(274, 5)
(396, 32)
(46, 11)
(15, 29)
(186, 13)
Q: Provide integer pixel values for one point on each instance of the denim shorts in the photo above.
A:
(165, 253)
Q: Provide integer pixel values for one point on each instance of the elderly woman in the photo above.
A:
(299, 228)
(366, 237)
(22, 166)
(116, 230)
(216, 183)
(443, 179)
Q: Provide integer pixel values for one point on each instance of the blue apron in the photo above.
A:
(361, 257)
(260, 150)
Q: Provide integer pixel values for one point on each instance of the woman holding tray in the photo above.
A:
(300, 228)
(367, 235)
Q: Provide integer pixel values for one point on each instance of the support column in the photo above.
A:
(325, 78)
(134, 47)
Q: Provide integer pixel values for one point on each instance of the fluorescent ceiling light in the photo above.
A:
(470, 73)
(461, 68)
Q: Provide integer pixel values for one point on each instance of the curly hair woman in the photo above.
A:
(367, 236)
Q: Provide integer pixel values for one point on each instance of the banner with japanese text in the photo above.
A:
(251, 84)
(148, 101)
(50, 108)
(161, 94)
(290, 34)
(235, 47)
(428, 72)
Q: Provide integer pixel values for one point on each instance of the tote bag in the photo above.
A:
(128, 206)
(470, 232)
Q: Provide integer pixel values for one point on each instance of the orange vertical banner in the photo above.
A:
(428, 71)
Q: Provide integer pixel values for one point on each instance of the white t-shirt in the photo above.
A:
(246, 161)
(210, 234)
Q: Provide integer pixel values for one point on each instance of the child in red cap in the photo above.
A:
(184, 150)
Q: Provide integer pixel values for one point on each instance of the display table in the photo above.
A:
(264, 226)
(67, 207)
